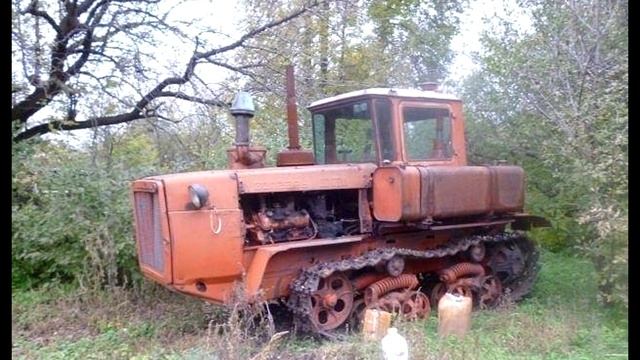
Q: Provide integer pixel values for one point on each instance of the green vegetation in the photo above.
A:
(551, 98)
(560, 320)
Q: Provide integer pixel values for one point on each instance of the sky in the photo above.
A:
(225, 17)
(223, 14)
(467, 42)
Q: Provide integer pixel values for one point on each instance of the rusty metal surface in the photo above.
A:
(307, 178)
(295, 157)
(396, 192)
(474, 224)
(416, 193)
(292, 111)
(279, 270)
(225, 185)
(381, 287)
(222, 187)
(393, 295)
(365, 280)
(462, 269)
(454, 191)
(198, 246)
(507, 186)
(280, 224)
(332, 302)
(148, 231)
(245, 157)
(485, 291)
(260, 257)
(409, 304)
(364, 212)
(152, 230)
(299, 300)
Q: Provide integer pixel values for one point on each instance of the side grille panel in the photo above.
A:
(149, 230)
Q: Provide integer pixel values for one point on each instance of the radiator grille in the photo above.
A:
(148, 230)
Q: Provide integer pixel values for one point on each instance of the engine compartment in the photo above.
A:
(290, 216)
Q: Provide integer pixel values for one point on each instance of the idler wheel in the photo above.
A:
(515, 264)
(332, 302)
(507, 262)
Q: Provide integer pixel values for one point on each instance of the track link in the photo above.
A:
(306, 283)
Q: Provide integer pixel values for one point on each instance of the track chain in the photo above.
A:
(306, 283)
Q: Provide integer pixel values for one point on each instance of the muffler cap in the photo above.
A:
(242, 104)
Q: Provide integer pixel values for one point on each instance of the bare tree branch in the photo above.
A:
(32, 9)
(58, 76)
(183, 96)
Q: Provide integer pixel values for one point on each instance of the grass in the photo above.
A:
(560, 320)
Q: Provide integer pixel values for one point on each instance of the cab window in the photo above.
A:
(427, 133)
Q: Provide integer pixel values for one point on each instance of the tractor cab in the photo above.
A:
(387, 126)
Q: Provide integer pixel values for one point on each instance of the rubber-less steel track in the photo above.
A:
(306, 283)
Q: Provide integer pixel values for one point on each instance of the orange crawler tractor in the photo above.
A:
(384, 213)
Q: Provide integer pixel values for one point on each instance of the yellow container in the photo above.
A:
(376, 323)
(454, 315)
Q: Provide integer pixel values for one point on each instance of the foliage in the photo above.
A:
(344, 46)
(72, 214)
(560, 320)
(554, 100)
(413, 37)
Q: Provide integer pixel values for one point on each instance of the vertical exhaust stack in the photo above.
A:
(293, 155)
(244, 156)
(292, 111)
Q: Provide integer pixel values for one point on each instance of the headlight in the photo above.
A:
(199, 195)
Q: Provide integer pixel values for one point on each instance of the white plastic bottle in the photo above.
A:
(394, 346)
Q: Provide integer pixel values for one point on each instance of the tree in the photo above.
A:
(555, 100)
(343, 46)
(414, 37)
(103, 47)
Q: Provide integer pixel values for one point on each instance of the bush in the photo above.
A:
(72, 219)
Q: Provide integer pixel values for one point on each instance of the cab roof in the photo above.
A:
(409, 93)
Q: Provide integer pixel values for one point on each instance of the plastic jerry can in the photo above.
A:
(394, 346)
(376, 323)
(454, 315)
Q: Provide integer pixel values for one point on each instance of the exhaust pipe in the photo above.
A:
(292, 111)
(293, 156)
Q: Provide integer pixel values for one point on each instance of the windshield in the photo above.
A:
(344, 134)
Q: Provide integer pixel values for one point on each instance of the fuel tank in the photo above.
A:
(415, 193)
